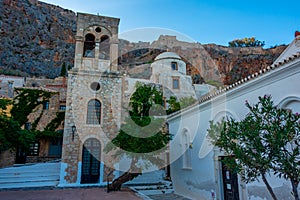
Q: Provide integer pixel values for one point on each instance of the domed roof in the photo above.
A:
(167, 55)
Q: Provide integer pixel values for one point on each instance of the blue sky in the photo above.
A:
(204, 21)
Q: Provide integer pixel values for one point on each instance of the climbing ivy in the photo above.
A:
(26, 101)
(37, 120)
(60, 116)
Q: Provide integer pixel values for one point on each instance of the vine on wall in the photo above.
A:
(26, 102)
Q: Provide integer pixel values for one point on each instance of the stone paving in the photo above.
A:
(167, 197)
(80, 194)
(68, 194)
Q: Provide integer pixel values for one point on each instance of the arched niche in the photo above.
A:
(291, 102)
(89, 46)
(104, 48)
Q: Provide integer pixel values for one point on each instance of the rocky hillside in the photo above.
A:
(37, 38)
(213, 63)
(236, 63)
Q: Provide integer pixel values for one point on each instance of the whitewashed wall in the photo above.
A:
(204, 175)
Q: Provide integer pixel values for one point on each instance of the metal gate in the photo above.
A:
(230, 184)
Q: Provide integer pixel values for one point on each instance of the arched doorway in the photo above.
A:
(91, 154)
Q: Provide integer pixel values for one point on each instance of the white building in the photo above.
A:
(196, 168)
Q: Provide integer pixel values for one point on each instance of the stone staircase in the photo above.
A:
(30, 175)
(152, 183)
(150, 178)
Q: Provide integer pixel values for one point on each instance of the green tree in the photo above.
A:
(246, 42)
(265, 141)
(175, 105)
(142, 136)
(186, 101)
(63, 71)
(11, 134)
(3, 105)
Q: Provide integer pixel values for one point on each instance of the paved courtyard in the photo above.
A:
(68, 194)
(167, 197)
(80, 194)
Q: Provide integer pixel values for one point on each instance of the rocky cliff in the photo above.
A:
(37, 38)
(235, 63)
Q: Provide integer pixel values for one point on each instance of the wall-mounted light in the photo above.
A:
(73, 132)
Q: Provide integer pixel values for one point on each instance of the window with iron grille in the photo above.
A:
(94, 112)
(34, 149)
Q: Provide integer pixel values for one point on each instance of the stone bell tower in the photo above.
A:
(96, 43)
(93, 112)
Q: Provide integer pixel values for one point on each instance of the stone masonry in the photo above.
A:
(89, 71)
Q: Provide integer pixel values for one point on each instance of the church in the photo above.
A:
(98, 95)
(196, 170)
(97, 98)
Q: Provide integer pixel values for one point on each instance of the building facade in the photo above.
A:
(93, 102)
(98, 97)
(196, 170)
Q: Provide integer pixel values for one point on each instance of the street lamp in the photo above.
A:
(73, 131)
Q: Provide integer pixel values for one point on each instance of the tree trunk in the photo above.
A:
(295, 190)
(127, 176)
(268, 186)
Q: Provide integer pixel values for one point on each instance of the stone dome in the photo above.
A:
(167, 55)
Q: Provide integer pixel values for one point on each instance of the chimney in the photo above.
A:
(297, 33)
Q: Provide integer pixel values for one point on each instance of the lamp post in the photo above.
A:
(73, 132)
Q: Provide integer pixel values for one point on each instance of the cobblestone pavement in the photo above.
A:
(167, 197)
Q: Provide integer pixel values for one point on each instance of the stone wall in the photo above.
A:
(7, 158)
(80, 93)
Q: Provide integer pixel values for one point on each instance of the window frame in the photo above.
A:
(176, 66)
(46, 105)
(176, 78)
(186, 148)
(94, 112)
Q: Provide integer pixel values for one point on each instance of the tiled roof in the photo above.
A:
(39, 88)
(248, 78)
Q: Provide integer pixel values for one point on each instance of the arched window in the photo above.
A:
(89, 46)
(104, 48)
(94, 112)
(187, 156)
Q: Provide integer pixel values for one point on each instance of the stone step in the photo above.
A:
(29, 184)
(27, 174)
(45, 167)
(154, 192)
(28, 179)
(154, 177)
(30, 175)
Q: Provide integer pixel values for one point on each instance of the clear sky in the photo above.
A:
(204, 21)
